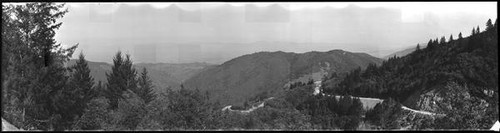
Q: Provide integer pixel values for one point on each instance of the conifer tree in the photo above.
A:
(460, 35)
(489, 25)
(79, 92)
(36, 74)
(121, 79)
(473, 31)
(443, 40)
(145, 89)
(430, 44)
(495, 25)
(436, 41)
(477, 30)
(451, 38)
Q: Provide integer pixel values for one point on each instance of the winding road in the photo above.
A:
(368, 103)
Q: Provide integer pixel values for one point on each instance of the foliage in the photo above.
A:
(121, 79)
(145, 88)
(385, 114)
(35, 76)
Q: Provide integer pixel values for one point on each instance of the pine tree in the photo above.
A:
(495, 25)
(460, 35)
(145, 90)
(121, 79)
(36, 74)
(443, 40)
(418, 47)
(489, 25)
(473, 31)
(477, 30)
(79, 93)
(430, 44)
(451, 38)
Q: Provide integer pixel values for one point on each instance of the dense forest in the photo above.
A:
(39, 92)
(467, 62)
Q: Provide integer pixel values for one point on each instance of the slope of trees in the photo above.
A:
(471, 62)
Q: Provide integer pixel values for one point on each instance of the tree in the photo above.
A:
(495, 25)
(443, 40)
(418, 47)
(79, 92)
(121, 79)
(145, 88)
(451, 38)
(430, 44)
(35, 64)
(489, 25)
(473, 31)
(460, 35)
(436, 41)
(477, 30)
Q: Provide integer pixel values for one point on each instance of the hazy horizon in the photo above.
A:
(217, 32)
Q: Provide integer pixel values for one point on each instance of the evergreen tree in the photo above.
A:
(473, 31)
(495, 25)
(489, 25)
(477, 30)
(121, 79)
(460, 35)
(145, 90)
(79, 93)
(430, 44)
(36, 75)
(443, 40)
(451, 38)
(436, 41)
(418, 47)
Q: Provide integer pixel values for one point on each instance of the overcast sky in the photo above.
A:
(217, 32)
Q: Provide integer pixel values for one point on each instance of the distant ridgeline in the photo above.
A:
(465, 69)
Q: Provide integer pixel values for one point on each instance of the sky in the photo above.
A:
(216, 32)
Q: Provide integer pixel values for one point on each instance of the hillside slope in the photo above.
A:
(403, 52)
(265, 73)
(163, 75)
(458, 78)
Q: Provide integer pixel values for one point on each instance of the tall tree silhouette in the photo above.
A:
(121, 79)
(79, 93)
(489, 25)
(145, 88)
(460, 35)
(443, 40)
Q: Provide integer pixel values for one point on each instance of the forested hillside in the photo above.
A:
(239, 79)
(419, 79)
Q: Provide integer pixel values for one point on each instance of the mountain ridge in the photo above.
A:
(243, 77)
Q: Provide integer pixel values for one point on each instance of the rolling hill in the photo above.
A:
(265, 73)
(163, 75)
